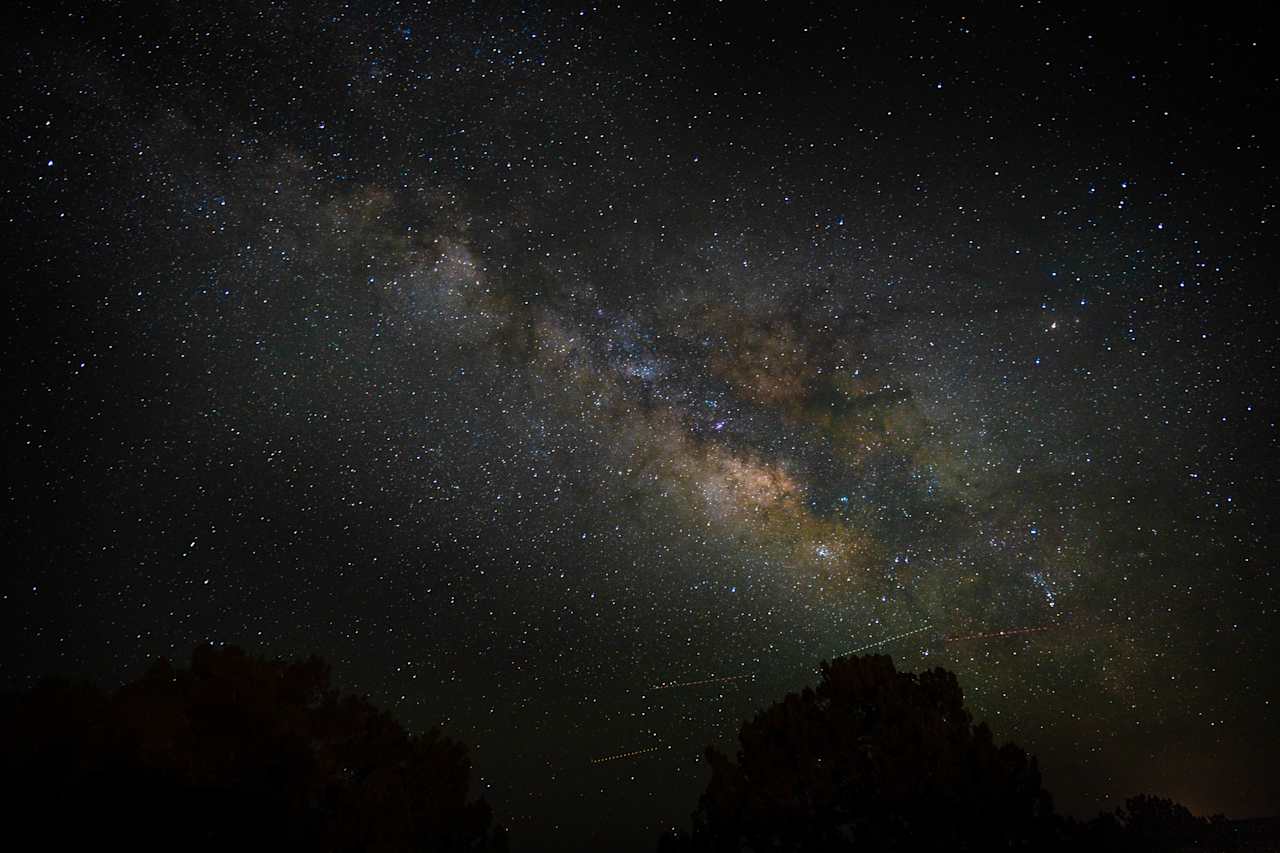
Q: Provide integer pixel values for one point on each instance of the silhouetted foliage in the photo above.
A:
(880, 760)
(1148, 824)
(873, 759)
(235, 752)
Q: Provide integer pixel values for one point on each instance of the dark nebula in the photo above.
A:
(578, 379)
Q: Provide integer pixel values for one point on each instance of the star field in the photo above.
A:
(578, 379)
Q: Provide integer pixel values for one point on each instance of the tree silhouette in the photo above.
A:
(873, 759)
(233, 752)
(1149, 824)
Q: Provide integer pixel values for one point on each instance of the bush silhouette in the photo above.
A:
(1149, 824)
(873, 759)
(232, 752)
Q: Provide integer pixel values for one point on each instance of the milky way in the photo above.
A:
(520, 361)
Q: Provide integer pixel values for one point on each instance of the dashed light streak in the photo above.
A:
(995, 635)
(719, 679)
(622, 755)
(887, 640)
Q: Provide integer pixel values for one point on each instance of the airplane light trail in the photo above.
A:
(995, 635)
(622, 755)
(887, 640)
(719, 679)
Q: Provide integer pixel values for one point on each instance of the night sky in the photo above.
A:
(528, 364)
